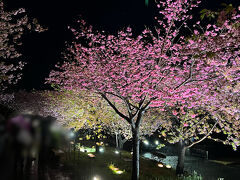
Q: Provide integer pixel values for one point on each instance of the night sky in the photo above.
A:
(42, 51)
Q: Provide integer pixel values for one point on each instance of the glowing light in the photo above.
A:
(99, 143)
(131, 152)
(116, 152)
(168, 166)
(82, 149)
(115, 169)
(146, 142)
(87, 149)
(91, 155)
(160, 165)
(157, 142)
(146, 2)
(71, 134)
(96, 178)
(101, 149)
(119, 172)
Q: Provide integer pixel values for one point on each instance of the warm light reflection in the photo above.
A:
(160, 165)
(168, 166)
(91, 155)
(115, 169)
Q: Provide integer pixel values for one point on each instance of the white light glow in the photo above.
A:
(160, 165)
(96, 178)
(146, 142)
(157, 142)
(101, 149)
(82, 149)
(71, 134)
(119, 172)
(116, 152)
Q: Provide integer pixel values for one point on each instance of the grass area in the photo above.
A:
(86, 168)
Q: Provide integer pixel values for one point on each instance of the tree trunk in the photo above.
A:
(135, 156)
(116, 140)
(74, 150)
(97, 148)
(121, 142)
(181, 157)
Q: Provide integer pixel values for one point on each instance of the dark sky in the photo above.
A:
(42, 51)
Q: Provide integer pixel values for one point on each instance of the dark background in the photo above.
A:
(42, 51)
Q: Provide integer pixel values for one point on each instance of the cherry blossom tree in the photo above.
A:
(186, 127)
(85, 111)
(218, 111)
(219, 45)
(12, 26)
(33, 102)
(156, 69)
(227, 112)
(122, 130)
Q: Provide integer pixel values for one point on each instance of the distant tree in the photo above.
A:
(221, 15)
(12, 26)
(33, 102)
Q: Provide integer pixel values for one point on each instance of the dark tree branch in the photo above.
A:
(115, 109)
(200, 140)
(189, 77)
